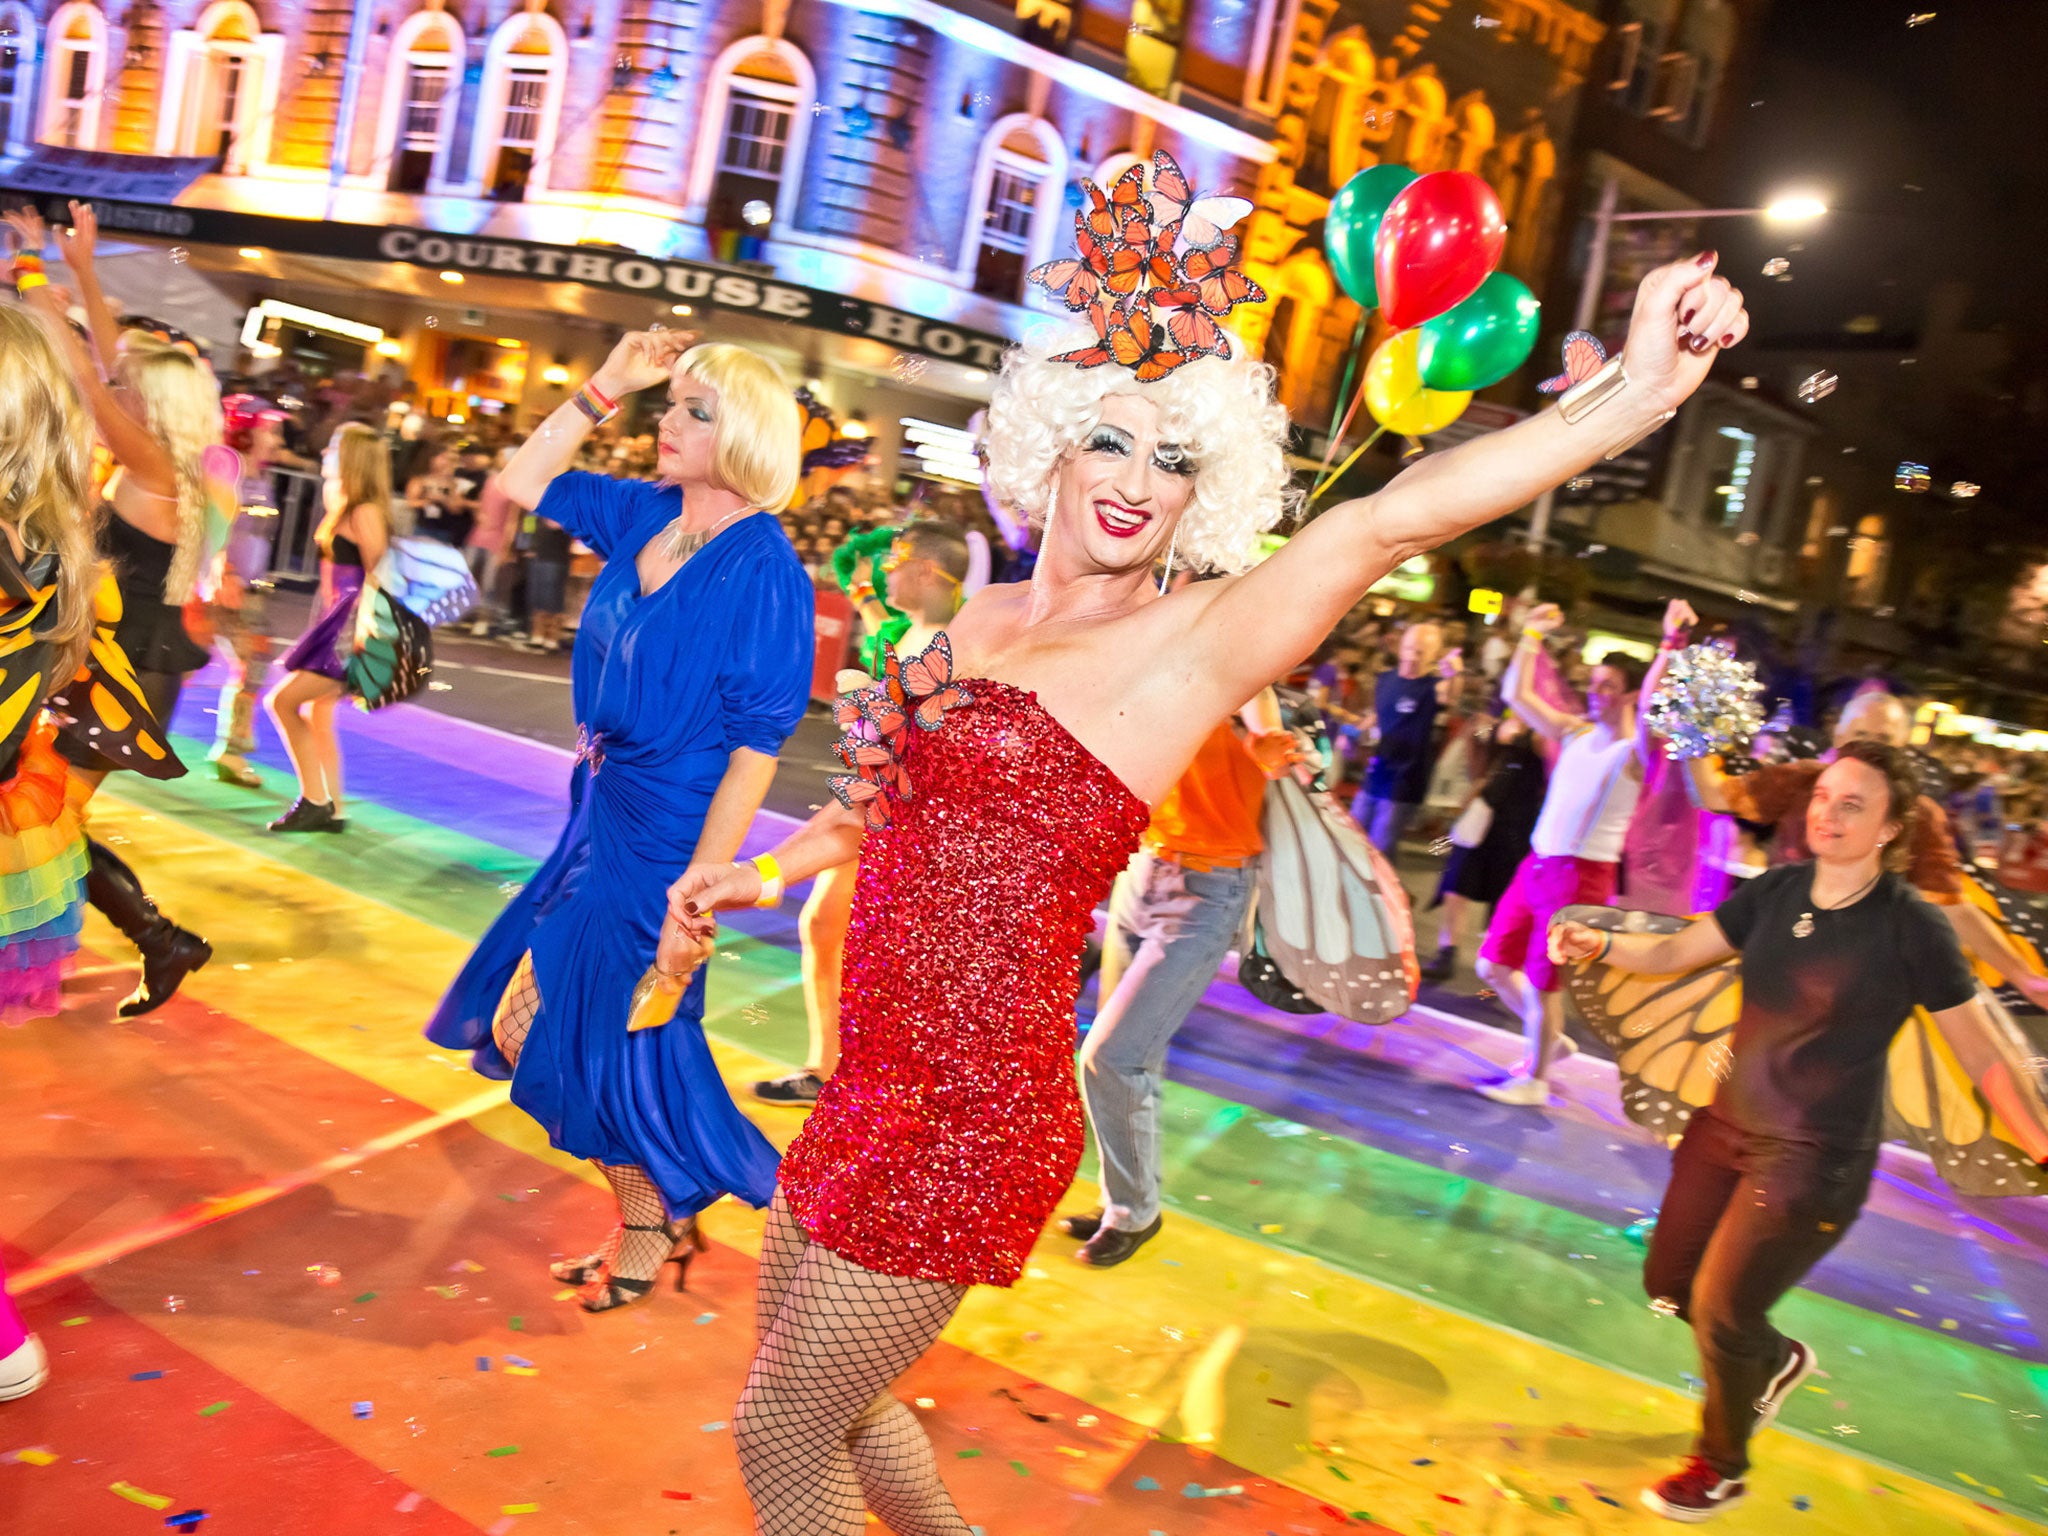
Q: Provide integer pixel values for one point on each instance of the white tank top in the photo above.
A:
(1592, 796)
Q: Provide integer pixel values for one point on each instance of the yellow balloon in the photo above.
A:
(1395, 395)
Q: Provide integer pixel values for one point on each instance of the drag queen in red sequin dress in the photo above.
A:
(991, 810)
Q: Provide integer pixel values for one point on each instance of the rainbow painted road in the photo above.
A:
(289, 1259)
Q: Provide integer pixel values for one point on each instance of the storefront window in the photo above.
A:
(518, 105)
(755, 119)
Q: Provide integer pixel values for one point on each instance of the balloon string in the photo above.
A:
(1336, 437)
(1356, 453)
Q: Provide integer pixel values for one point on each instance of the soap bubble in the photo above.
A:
(1817, 386)
(757, 213)
(433, 321)
(1777, 266)
(179, 255)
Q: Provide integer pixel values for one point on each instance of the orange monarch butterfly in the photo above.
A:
(1128, 337)
(928, 678)
(1202, 219)
(1583, 356)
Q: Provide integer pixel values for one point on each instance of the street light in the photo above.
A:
(1791, 209)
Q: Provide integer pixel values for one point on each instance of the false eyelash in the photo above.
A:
(1178, 464)
(1102, 440)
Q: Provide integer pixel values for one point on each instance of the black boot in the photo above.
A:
(169, 953)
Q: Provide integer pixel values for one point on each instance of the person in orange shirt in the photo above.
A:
(1172, 917)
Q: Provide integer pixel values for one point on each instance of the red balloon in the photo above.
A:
(1440, 238)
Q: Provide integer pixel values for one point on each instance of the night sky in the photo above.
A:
(1930, 142)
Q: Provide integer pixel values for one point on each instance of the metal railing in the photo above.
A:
(293, 554)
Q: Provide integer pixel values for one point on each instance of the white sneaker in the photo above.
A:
(1530, 1092)
(24, 1370)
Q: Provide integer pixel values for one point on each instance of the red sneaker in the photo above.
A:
(1799, 1364)
(1693, 1493)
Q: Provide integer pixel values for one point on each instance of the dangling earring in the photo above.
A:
(1171, 545)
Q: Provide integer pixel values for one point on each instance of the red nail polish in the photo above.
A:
(1686, 318)
(1707, 258)
(1728, 340)
(1698, 344)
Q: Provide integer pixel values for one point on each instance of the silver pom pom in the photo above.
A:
(1707, 703)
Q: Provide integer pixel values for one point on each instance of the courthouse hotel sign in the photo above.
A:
(621, 271)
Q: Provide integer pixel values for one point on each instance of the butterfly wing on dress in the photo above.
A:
(1673, 1037)
(397, 654)
(102, 707)
(1333, 915)
(1932, 1104)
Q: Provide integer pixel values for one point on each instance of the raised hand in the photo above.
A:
(28, 227)
(1684, 314)
(1543, 618)
(77, 244)
(641, 359)
(1679, 617)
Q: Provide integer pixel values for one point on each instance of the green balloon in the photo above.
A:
(1354, 223)
(1482, 340)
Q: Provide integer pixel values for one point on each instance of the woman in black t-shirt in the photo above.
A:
(1835, 955)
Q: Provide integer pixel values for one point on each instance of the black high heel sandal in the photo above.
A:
(686, 1241)
(603, 1293)
(578, 1271)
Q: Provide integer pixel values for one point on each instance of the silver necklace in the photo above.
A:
(1803, 929)
(681, 544)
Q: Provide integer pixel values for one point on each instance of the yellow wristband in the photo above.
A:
(770, 872)
(29, 280)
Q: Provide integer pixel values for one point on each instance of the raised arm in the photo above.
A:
(1518, 687)
(1678, 619)
(1270, 618)
(1697, 945)
(641, 359)
(78, 245)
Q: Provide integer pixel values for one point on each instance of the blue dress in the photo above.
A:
(666, 686)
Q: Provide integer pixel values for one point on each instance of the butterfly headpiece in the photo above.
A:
(1155, 272)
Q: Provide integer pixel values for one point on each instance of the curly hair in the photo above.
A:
(1222, 411)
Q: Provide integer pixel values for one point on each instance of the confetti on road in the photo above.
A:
(147, 1376)
(36, 1458)
(212, 1408)
(504, 1450)
(135, 1495)
(712, 1428)
(186, 1521)
(411, 1502)
(362, 1410)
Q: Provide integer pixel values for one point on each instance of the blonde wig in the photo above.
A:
(46, 474)
(757, 448)
(1222, 411)
(362, 463)
(181, 407)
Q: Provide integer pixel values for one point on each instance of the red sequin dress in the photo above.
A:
(953, 1125)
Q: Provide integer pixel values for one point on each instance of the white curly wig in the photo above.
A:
(1223, 412)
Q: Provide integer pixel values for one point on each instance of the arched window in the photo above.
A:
(1018, 182)
(519, 108)
(757, 117)
(1643, 37)
(74, 76)
(1105, 174)
(1333, 133)
(220, 88)
(422, 85)
(17, 73)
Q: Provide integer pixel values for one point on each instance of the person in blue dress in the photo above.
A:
(691, 668)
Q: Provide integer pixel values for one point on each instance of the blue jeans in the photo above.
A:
(1383, 820)
(1169, 929)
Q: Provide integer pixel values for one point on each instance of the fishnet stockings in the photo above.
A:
(821, 1438)
(626, 1255)
(517, 1008)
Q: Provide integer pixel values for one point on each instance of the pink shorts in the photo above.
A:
(1544, 885)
